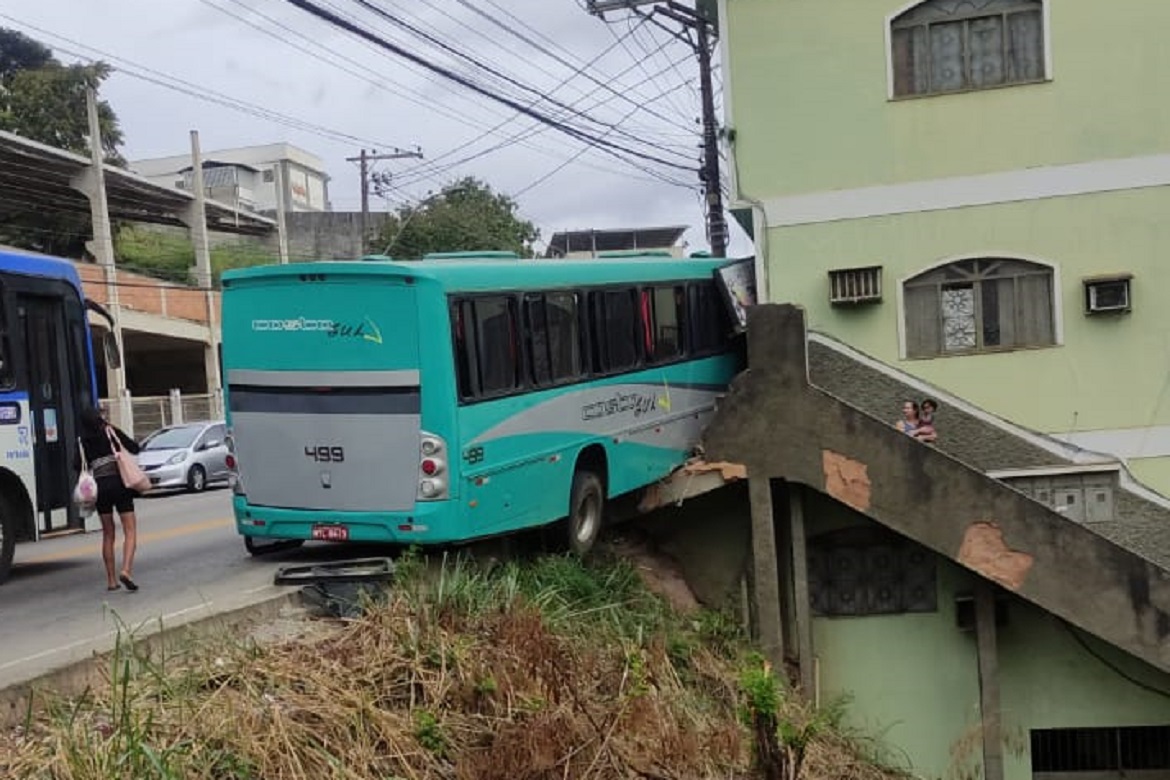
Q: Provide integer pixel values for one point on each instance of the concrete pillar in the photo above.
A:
(125, 412)
(176, 399)
(801, 603)
(92, 184)
(765, 573)
(196, 221)
(988, 650)
(281, 226)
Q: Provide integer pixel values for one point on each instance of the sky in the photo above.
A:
(245, 72)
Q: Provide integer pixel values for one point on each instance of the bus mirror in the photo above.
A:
(113, 356)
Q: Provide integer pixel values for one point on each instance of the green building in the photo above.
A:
(969, 199)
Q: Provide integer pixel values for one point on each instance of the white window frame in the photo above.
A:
(1057, 299)
(1046, 20)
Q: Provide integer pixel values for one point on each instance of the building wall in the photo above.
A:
(812, 112)
(812, 145)
(1097, 379)
(912, 680)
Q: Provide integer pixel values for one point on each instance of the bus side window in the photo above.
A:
(536, 317)
(496, 341)
(706, 324)
(667, 334)
(461, 318)
(564, 335)
(617, 330)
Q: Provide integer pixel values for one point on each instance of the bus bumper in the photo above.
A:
(430, 523)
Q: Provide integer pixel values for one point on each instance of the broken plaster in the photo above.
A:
(985, 551)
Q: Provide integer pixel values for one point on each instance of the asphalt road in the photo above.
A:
(190, 563)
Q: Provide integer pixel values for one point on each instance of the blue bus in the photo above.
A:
(464, 395)
(46, 377)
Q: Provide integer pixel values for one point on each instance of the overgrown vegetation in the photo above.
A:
(547, 669)
(171, 256)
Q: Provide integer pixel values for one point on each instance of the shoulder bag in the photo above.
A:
(132, 476)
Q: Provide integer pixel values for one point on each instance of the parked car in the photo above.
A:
(190, 455)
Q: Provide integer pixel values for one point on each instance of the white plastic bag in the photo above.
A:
(86, 491)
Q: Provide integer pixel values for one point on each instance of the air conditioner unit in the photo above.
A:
(855, 285)
(1107, 294)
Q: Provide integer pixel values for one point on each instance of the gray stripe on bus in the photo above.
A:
(397, 378)
(612, 410)
(390, 403)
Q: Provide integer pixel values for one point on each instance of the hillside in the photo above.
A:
(542, 669)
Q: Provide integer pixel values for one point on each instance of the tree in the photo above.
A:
(44, 100)
(464, 216)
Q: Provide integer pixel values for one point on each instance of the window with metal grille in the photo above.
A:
(855, 285)
(1131, 751)
(979, 305)
(862, 571)
(941, 46)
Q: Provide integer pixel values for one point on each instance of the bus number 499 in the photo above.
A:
(326, 454)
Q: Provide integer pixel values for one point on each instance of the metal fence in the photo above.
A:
(139, 416)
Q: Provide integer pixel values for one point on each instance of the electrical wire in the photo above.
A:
(499, 74)
(612, 148)
(1112, 666)
(194, 90)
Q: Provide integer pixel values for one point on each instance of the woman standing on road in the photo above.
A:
(97, 439)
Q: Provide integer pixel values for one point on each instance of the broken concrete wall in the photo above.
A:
(780, 426)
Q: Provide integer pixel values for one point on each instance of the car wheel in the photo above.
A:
(196, 479)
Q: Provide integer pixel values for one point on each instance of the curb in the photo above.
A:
(74, 678)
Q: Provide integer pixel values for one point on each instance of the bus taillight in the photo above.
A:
(431, 465)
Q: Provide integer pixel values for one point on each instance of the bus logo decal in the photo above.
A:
(639, 403)
(366, 330)
(298, 324)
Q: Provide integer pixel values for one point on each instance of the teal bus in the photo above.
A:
(463, 395)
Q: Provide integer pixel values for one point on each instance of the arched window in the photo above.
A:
(955, 45)
(980, 305)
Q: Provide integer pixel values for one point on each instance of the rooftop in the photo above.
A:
(39, 176)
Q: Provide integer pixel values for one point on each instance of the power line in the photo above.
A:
(407, 94)
(494, 71)
(531, 131)
(194, 90)
(612, 148)
(563, 61)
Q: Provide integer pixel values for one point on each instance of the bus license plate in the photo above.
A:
(331, 533)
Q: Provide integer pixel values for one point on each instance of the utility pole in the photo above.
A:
(716, 225)
(364, 159)
(691, 19)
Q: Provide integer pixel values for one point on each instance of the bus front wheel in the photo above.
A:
(8, 520)
(586, 508)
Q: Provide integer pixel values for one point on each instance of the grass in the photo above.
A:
(544, 669)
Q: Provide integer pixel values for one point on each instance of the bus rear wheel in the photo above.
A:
(7, 537)
(586, 509)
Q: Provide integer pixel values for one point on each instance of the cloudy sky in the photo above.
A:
(627, 82)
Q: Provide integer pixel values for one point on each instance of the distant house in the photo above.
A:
(578, 244)
(247, 176)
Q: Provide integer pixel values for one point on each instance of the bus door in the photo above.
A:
(51, 402)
